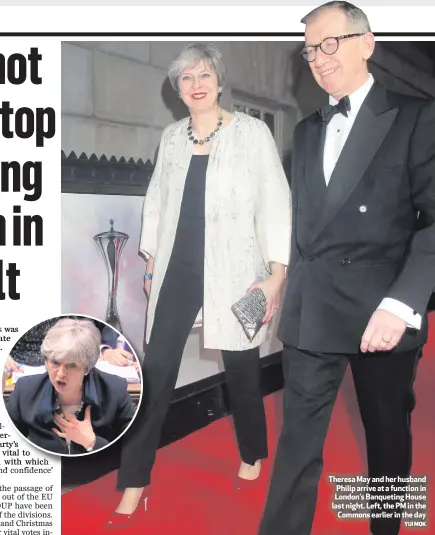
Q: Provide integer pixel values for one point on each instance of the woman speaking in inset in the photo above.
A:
(73, 408)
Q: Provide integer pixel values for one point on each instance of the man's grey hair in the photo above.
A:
(192, 55)
(73, 340)
(356, 17)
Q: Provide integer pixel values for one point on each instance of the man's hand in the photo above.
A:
(383, 332)
(7, 374)
(118, 357)
(12, 365)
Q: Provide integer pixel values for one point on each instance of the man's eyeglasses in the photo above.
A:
(328, 46)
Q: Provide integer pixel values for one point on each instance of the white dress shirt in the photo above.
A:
(336, 134)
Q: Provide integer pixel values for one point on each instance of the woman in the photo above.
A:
(216, 213)
(73, 408)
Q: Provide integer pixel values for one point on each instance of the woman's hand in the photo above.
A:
(79, 432)
(271, 288)
(147, 282)
(147, 288)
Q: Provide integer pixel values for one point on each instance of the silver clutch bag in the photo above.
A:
(250, 311)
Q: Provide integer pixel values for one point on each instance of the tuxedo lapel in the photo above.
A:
(371, 125)
(313, 147)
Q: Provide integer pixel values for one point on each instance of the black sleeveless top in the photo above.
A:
(188, 250)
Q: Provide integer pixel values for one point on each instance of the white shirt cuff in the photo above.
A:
(401, 310)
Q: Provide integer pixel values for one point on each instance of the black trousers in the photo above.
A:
(180, 300)
(383, 385)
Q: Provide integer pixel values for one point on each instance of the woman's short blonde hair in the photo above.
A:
(192, 55)
(75, 340)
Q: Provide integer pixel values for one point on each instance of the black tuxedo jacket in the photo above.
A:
(32, 404)
(356, 241)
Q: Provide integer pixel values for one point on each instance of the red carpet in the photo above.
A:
(192, 479)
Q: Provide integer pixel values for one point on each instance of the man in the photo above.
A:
(361, 275)
(112, 353)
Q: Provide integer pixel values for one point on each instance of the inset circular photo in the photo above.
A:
(72, 385)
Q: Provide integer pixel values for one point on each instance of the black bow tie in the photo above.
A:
(327, 112)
